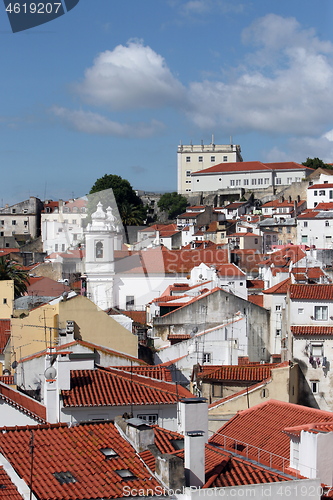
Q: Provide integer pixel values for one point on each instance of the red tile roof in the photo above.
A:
(4, 333)
(311, 292)
(23, 403)
(255, 284)
(230, 271)
(320, 186)
(41, 286)
(246, 166)
(136, 316)
(8, 490)
(258, 300)
(282, 257)
(262, 427)
(253, 373)
(281, 287)
(75, 453)
(152, 371)
(112, 387)
(316, 331)
(161, 260)
(224, 470)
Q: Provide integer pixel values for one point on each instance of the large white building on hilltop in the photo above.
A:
(191, 158)
(250, 175)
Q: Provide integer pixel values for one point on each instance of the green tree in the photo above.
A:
(10, 270)
(113, 190)
(172, 203)
(131, 215)
(316, 163)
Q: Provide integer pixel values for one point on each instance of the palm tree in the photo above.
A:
(131, 215)
(10, 270)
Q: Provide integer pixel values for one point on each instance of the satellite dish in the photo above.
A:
(50, 373)
(14, 365)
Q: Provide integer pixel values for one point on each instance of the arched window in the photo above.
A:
(99, 250)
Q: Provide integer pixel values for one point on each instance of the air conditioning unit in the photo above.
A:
(70, 326)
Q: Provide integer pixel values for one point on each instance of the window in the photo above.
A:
(256, 241)
(288, 230)
(109, 452)
(331, 194)
(13, 222)
(232, 182)
(278, 307)
(25, 222)
(297, 179)
(188, 159)
(200, 159)
(188, 173)
(322, 192)
(125, 474)
(260, 181)
(225, 158)
(315, 192)
(2, 222)
(278, 332)
(212, 158)
(206, 357)
(63, 247)
(314, 386)
(300, 310)
(317, 349)
(4, 301)
(64, 477)
(74, 221)
(289, 180)
(304, 238)
(278, 180)
(99, 250)
(129, 302)
(321, 313)
(56, 247)
(238, 182)
(327, 223)
(150, 418)
(13, 210)
(266, 180)
(246, 182)
(254, 182)
(305, 223)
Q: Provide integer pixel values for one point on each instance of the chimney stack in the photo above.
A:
(194, 451)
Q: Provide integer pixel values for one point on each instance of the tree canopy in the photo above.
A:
(10, 270)
(172, 203)
(316, 163)
(125, 197)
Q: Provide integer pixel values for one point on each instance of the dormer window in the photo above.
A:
(99, 250)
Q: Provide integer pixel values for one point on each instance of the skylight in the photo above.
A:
(64, 477)
(125, 474)
(109, 452)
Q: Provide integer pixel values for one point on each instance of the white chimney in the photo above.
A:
(194, 458)
(193, 415)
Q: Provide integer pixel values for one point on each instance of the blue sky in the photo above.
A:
(114, 86)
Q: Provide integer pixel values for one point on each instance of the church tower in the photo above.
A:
(100, 235)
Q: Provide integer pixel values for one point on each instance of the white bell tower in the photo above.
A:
(99, 261)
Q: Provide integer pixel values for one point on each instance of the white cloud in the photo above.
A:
(94, 123)
(130, 77)
(284, 87)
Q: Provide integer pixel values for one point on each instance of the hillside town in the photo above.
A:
(182, 357)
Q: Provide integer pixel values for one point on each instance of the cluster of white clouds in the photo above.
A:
(284, 86)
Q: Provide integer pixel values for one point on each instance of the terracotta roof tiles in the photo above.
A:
(8, 490)
(112, 387)
(314, 331)
(262, 427)
(153, 371)
(23, 403)
(311, 292)
(74, 467)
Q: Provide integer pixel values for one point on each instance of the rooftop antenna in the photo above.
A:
(212, 138)
(231, 139)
